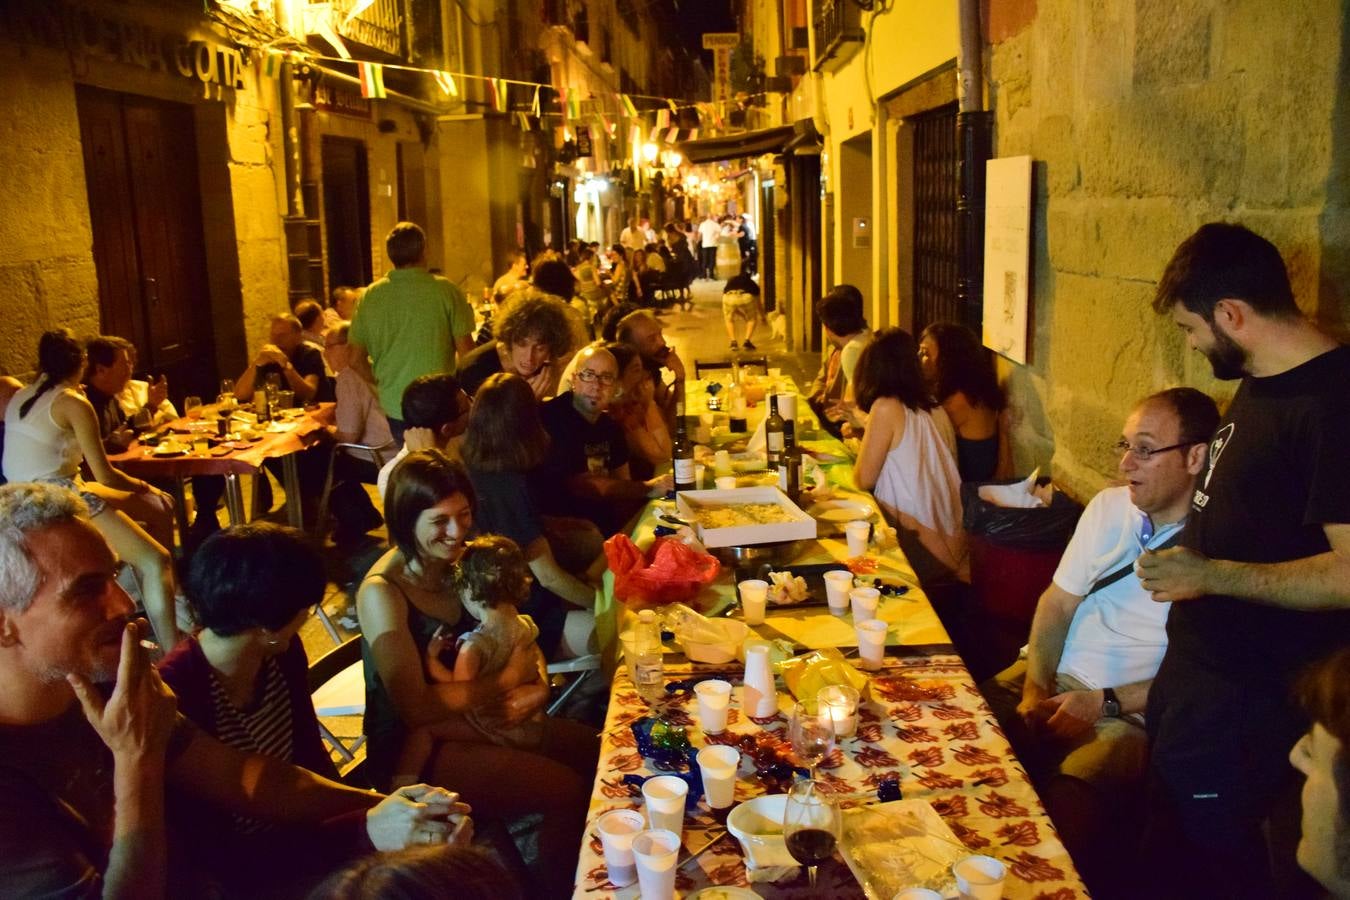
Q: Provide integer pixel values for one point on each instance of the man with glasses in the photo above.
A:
(1073, 707)
(586, 472)
(1261, 583)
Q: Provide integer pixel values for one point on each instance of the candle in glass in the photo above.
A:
(840, 703)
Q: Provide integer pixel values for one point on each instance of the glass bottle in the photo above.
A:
(682, 452)
(790, 463)
(648, 669)
(773, 433)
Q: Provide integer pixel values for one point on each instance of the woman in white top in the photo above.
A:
(908, 457)
(50, 428)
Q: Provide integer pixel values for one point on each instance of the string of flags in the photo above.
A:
(570, 101)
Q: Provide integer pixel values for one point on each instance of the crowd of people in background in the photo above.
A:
(1165, 681)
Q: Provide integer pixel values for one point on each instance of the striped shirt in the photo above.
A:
(265, 728)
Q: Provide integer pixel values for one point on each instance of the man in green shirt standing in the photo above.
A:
(410, 323)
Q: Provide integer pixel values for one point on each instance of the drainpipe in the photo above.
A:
(290, 128)
(974, 132)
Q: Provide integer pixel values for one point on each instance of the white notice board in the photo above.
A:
(1007, 255)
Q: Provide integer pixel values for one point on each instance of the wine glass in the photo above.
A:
(810, 825)
(192, 407)
(812, 734)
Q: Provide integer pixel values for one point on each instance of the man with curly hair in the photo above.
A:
(534, 335)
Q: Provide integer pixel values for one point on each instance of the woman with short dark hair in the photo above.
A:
(907, 458)
(405, 599)
(960, 374)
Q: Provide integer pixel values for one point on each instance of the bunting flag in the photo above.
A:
(693, 134)
(629, 109)
(523, 120)
(672, 135)
(663, 118)
(606, 124)
(372, 81)
(534, 104)
(447, 83)
(573, 103)
(497, 94)
(671, 104)
(634, 136)
(271, 63)
(655, 133)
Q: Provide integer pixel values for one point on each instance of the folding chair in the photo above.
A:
(378, 455)
(582, 667)
(337, 686)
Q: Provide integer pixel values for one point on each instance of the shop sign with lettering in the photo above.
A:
(91, 32)
(337, 98)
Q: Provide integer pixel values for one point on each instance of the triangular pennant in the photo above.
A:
(671, 104)
(372, 81)
(663, 118)
(447, 83)
(672, 136)
(693, 134)
(534, 104)
(655, 133)
(629, 108)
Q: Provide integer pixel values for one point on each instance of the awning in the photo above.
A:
(735, 146)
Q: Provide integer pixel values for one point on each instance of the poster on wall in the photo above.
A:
(1007, 255)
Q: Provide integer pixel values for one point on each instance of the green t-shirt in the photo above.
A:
(408, 321)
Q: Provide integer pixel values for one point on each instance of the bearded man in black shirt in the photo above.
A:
(1261, 584)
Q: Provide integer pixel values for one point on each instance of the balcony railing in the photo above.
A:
(838, 32)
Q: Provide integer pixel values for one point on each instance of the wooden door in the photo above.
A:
(346, 209)
(145, 208)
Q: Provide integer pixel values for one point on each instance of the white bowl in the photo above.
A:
(723, 651)
(758, 825)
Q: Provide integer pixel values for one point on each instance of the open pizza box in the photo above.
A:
(749, 524)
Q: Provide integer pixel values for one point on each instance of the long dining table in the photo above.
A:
(922, 723)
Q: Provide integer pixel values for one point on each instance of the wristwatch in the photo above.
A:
(1110, 704)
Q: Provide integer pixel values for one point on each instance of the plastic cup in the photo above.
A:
(726, 482)
(979, 878)
(698, 475)
(714, 699)
(655, 852)
(865, 601)
(617, 828)
(857, 534)
(718, 766)
(664, 797)
(787, 407)
(722, 462)
(754, 600)
(917, 894)
(871, 643)
(838, 583)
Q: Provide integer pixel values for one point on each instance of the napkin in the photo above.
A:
(1015, 496)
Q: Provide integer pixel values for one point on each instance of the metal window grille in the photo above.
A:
(936, 235)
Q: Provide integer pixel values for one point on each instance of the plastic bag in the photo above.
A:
(669, 572)
(804, 676)
(1038, 528)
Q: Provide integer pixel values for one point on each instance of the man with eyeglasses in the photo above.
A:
(1261, 583)
(1073, 707)
(586, 472)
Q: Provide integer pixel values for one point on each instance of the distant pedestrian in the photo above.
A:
(709, 232)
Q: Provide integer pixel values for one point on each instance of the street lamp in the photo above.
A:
(649, 151)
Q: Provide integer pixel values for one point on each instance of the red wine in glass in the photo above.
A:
(811, 846)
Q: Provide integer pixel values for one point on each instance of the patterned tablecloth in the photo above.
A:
(926, 724)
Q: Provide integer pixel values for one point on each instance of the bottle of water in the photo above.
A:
(648, 669)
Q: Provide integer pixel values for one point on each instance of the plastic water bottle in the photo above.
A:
(648, 668)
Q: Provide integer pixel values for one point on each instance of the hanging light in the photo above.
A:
(649, 152)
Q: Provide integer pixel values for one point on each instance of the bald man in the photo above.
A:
(586, 472)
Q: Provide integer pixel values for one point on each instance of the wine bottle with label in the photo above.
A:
(773, 433)
(682, 453)
(790, 463)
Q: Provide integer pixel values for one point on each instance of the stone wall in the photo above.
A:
(1147, 118)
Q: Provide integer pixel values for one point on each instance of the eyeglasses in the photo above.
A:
(588, 377)
(1144, 454)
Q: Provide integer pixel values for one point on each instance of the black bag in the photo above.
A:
(1037, 528)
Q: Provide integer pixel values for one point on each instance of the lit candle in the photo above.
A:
(840, 702)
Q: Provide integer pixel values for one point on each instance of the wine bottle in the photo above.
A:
(682, 453)
(773, 433)
(790, 463)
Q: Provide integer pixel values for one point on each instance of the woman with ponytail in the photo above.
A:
(50, 429)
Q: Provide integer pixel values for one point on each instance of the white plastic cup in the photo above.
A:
(787, 407)
(979, 878)
(857, 533)
(718, 765)
(917, 893)
(714, 699)
(838, 583)
(726, 482)
(699, 469)
(722, 463)
(617, 828)
(865, 601)
(664, 798)
(655, 852)
(754, 600)
(871, 643)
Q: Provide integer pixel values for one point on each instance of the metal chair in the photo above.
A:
(581, 666)
(337, 686)
(745, 362)
(378, 455)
